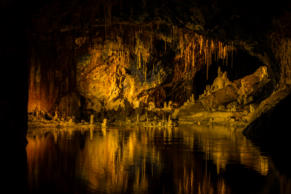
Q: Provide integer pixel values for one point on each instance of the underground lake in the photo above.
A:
(149, 160)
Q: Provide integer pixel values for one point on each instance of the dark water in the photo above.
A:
(144, 160)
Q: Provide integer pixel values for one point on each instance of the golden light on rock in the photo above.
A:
(121, 68)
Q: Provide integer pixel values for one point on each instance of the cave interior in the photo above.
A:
(150, 63)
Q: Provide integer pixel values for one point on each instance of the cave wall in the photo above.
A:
(51, 74)
(122, 66)
(96, 56)
(280, 41)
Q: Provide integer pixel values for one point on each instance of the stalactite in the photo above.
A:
(145, 73)
(193, 51)
(193, 55)
(201, 44)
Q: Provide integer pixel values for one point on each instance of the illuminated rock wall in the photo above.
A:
(139, 68)
(99, 56)
(121, 67)
(282, 50)
(52, 75)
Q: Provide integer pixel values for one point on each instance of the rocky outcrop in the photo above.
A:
(226, 102)
(239, 90)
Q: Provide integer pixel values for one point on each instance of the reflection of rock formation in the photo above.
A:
(143, 160)
(47, 167)
(108, 158)
(224, 145)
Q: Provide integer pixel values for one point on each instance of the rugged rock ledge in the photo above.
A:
(226, 102)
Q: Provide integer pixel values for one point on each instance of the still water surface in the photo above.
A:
(147, 160)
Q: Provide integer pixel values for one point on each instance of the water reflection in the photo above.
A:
(147, 160)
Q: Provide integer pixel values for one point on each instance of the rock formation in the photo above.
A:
(111, 61)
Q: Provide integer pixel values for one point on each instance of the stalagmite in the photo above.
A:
(170, 123)
(165, 105)
(192, 99)
(252, 108)
(91, 119)
(55, 118)
(104, 123)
